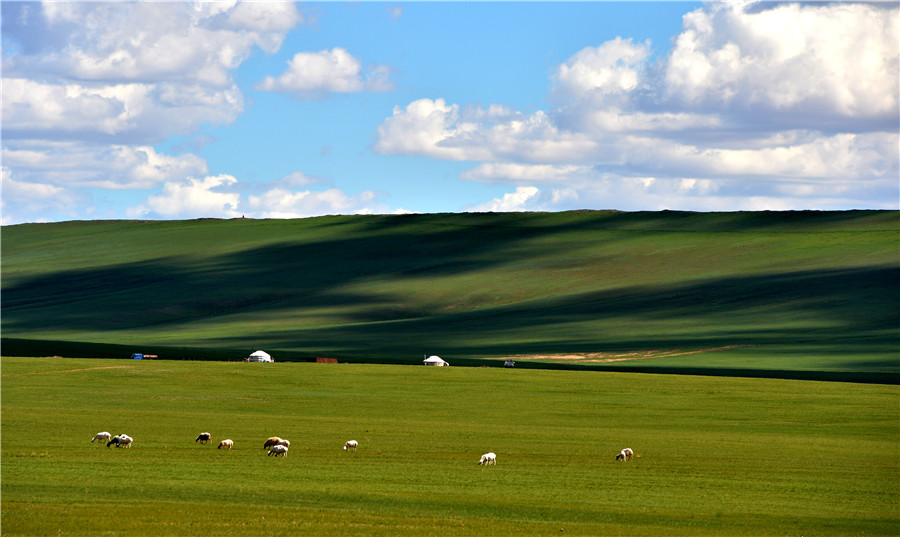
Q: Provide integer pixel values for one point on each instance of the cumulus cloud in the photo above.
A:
(36, 201)
(510, 171)
(510, 202)
(147, 41)
(117, 167)
(612, 68)
(426, 127)
(813, 61)
(88, 87)
(221, 196)
(136, 112)
(139, 72)
(436, 129)
(193, 198)
(785, 105)
(327, 71)
(283, 203)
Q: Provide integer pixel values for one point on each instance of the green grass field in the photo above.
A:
(719, 456)
(808, 292)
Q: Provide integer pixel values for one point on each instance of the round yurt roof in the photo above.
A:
(261, 354)
(434, 360)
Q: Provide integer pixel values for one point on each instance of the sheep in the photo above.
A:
(276, 441)
(625, 454)
(351, 445)
(488, 458)
(101, 437)
(203, 438)
(278, 450)
(120, 440)
(226, 444)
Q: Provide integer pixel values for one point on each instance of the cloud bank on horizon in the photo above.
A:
(133, 110)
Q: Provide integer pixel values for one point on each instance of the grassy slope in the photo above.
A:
(719, 456)
(801, 291)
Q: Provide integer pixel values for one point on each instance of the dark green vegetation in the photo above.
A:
(802, 294)
(719, 456)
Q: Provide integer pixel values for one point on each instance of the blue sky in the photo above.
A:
(285, 110)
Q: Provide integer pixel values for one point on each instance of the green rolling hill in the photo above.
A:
(773, 293)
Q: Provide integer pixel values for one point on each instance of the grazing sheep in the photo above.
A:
(226, 444)
(488, 458)
(101, 437)
(120, 440)
(278, 450)
(203, 438)
(625, 454)
(273, 441)
(351, 445)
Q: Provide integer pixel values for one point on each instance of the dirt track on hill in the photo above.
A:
(607, 357)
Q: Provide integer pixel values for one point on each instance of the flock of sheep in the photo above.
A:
(275, 445)
(279, 446)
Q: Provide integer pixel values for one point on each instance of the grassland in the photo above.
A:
(719, 456)
(804, 294)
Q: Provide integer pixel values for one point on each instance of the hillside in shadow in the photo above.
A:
(391, 288)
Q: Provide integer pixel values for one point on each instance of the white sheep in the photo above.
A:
(120, 440)
(488, 458)
(351, 445)
(226, 444)
(203, 438)
(101, 437)
(625, 454)
(278, 450)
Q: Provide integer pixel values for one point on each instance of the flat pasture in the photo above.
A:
(719, 456)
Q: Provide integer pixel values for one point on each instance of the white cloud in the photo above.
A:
(432, 128)
(510, 202)
(609, 69)
(223, 196)
(508, 171)
(193, 198)
(148, 41)
(327, 71)
(269, 21)
(784, 104)
(72, 164)
(284, 203)
(34, 202)
(89, 87)
(422, 128)
(132, 72)
(813, 60)
(135, 112)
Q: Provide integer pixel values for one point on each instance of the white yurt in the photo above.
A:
(260, 356)
(435, 360)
